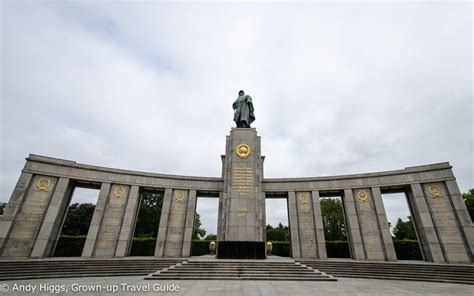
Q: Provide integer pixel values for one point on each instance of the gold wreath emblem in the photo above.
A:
(242, 150)
(435, 191)
(179, 196)
(43, 184)
(303, 198)
(119, 192)
(362, 196)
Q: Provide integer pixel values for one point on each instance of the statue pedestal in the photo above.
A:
(241, 226)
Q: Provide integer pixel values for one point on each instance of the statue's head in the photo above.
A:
(241, 93)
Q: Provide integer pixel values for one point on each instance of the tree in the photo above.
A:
(211, 236)
(404, 230)
(2, 207)
(149, 214)
(280, 233)
(78, 219)
(469, 201)
(333, 219)
(199, 232)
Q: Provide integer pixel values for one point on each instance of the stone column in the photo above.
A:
(126, 231)
(319, 226)
(162, 230)
(12, 209)
(293, 217)
(109, 230)
(464, 220)
(386, 236)
(29, 218)
(353, 228)
(52, 223)
(369, 225)
(450, 235)
(96, 221)
(425, 229)
(241, 233)
(189, 224)
(174, 237)
(221, 218)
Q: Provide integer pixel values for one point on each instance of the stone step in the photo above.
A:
(409, 278)
(238, 267)
(263, 278)
(404, 276)
(388, 264)
(35, 269)
(91, 264)
(394, 271)
(239, 270)
(302, 273)
(71, 275)
(179, 275)
(99, 270)
(217, 270)
(389, 269)
(12, 268)
(398, 271)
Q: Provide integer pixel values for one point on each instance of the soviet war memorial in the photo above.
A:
(247, 149)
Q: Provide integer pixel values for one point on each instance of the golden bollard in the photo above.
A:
(269, 248)
(212, 247)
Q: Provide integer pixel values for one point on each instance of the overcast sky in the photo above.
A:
(337, 88)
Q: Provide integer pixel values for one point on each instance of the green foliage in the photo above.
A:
(407, 249)
(280, 233)
(338, 249)
(282, 249)
(211, 237)
(70, 246)
(198, 232)
(404, 230)
(200, 247)
(333, 219)
(149, 215)
(143, 246)
(78, 219)
(2, 206)
(469, 201)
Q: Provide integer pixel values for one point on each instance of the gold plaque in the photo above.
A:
(241, 212)
(362, 196)
(179, 196)
(435, 191)
(119, 192)
(303, 198)
(43, 184)
(243, 151)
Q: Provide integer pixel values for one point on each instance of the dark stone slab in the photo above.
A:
(240, 250)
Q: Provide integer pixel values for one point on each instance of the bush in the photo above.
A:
(338, 249)
(69, 246)
(407, 249)
(143, 246)
(281, 248)
(200, 247)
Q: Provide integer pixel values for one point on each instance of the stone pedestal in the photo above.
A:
(242, 212)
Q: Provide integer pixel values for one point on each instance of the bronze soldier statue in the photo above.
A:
(243, 110)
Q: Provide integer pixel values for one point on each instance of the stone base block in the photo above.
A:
(240, 250)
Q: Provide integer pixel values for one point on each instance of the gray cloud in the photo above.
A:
(338, 88)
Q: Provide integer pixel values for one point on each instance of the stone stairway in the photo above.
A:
(214, 269)
(449, 273)
(64, 268)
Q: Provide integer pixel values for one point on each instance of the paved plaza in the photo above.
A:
(136, 286)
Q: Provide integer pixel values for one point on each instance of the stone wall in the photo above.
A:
(34, 215)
